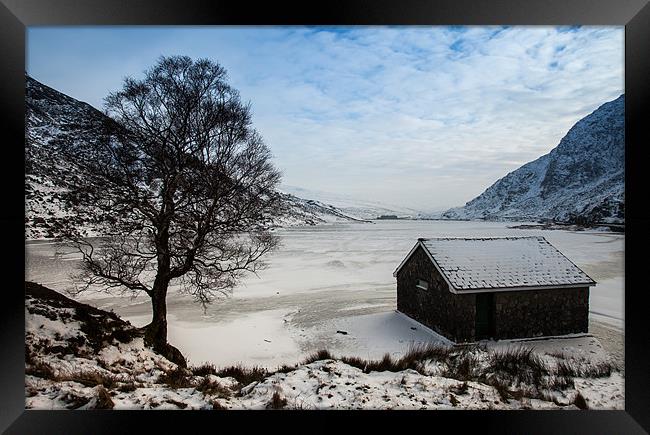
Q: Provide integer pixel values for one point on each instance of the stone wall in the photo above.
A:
(534, 313)
(451, 315)
(517, 314)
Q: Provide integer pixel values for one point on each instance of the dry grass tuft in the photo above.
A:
(277, 401)
(176, 378)
(318, 356)
(204, 369)
(213, 388)
(243, 375)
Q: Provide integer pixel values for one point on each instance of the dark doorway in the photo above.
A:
(484, 316)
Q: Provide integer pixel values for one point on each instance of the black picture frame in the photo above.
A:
(16, 15)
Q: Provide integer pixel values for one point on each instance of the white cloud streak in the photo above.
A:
(425, 117)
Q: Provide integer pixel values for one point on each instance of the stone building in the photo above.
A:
(469, 289)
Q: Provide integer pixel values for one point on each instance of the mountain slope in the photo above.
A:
(312, 212)
(54, 119)
(582, 180)
(351, 206)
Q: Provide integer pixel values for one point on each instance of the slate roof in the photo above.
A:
(503, 263)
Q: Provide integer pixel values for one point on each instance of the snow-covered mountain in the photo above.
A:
(313, 212)
(358, 208)
(53, 118)
(579, 181)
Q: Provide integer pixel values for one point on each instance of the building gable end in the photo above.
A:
(419, 244)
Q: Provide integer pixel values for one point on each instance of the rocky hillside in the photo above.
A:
(579, 181)
(54, 119)
(80, 357)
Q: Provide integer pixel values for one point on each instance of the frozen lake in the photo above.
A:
(329, 278)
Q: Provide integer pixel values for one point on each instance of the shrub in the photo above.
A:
(286, 368)
(463, 365)
(558, 382)
(218, 406)
(204, 369)
(355, 361)
(519, 365)
(212, 388)
(502, 389)
(243, 375)
(428, 351)
(384, 364)
(412, 359)
(176, 378)
(599, 370)
(567, 369)
(318, 356)
(277, 401)
(585, 369)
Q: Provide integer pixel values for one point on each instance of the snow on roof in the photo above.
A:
(508, 262)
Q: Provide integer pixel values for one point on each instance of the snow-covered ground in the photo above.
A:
(80, 357)
(331, 278)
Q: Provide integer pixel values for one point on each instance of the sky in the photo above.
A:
(425, 117)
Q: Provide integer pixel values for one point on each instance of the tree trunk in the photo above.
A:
(155, 335)
(156, 332)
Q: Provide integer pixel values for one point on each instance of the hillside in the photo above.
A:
(54, 119)
(582, 180)
(352, 206)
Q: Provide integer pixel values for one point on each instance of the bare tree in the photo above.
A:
(182, 187)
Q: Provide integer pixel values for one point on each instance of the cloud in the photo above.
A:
(408, 115)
